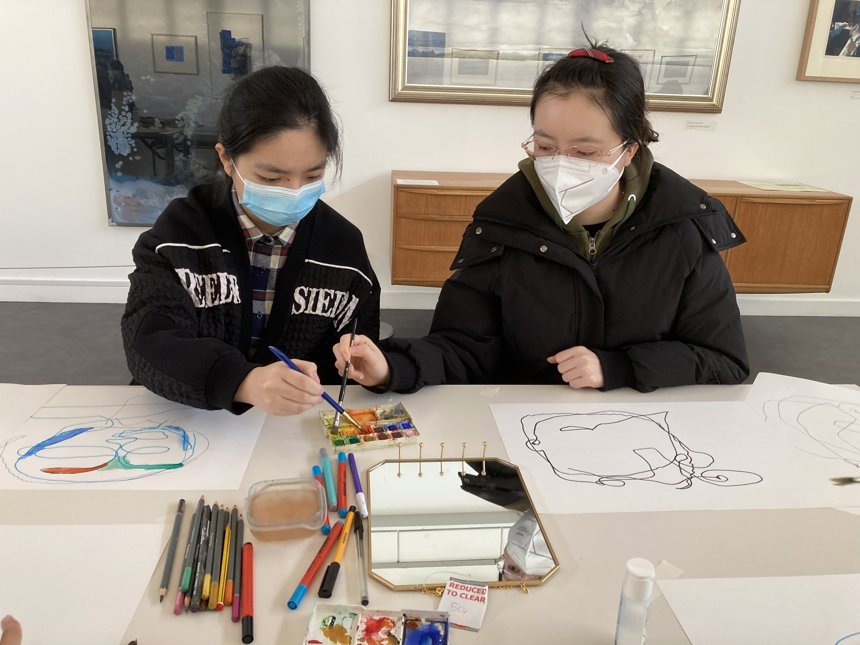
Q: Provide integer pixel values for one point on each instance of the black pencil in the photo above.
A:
(237, 571)
(171, 550)
(200, 564)
(210, 552)
(217, 553)
(188, 560)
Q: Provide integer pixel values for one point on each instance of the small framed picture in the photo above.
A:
(548, 55)
(474, 66)
(676, 69)
(174, 54)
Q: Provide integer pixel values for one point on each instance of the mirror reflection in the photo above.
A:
(432, 520)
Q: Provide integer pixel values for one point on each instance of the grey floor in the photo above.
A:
(79, 344)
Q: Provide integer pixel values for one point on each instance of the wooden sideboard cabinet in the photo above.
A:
(793, 238)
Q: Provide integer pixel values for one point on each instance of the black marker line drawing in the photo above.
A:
(641, 448)
(832, 427)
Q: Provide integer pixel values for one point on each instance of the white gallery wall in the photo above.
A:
(56, 244)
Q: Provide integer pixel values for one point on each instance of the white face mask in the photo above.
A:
(576, 184)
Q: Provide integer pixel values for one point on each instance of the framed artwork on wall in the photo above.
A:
(104, 43)
(692, 41)
(831, 43)
(160, 91)
(174, 54)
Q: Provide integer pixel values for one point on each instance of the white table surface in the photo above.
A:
(577, 604)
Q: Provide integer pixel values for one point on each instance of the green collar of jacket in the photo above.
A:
(634, 183)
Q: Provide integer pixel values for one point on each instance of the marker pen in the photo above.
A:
(326, 527)
(360, 500)
(330, 492)
(316, 563)
(341, 484)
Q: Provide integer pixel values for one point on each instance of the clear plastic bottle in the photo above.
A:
(635, 598)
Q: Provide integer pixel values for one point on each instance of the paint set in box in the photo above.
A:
(332, 624)
(381, 426)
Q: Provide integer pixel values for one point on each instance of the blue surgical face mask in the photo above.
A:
(280, 206)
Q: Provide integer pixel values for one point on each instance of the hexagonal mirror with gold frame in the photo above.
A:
(471, 519)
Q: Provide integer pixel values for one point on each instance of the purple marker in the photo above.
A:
(356, 481)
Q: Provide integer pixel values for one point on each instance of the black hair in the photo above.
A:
(271, 100)
(616, 87)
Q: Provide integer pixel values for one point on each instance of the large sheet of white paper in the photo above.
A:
(100, 437)
(19, 402)
(793, 610)
(76, 584)
(593, 458)
(819, 420)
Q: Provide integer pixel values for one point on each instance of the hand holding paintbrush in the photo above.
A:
(345, 374)
(367, 364)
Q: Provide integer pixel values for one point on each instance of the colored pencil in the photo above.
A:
(237, 572)
(217, 552)
(190, 548)
(231, 558)
(200, 562)
(171, 550)
(225, 558)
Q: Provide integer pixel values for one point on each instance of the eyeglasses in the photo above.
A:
(535, 147)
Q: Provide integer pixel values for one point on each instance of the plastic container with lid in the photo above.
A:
(280, 509)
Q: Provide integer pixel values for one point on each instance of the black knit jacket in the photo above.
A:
(187, 323)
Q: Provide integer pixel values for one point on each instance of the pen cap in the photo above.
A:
(330, 577)
(639, 581)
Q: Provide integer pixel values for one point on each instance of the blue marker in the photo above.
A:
(325, 395)
(330, 492)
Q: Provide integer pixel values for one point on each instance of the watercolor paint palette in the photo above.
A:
(333, 624)
(381, 426)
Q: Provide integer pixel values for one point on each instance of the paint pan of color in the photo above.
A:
(332, 624)
(381, 426)
(279, 509)
(420, 627)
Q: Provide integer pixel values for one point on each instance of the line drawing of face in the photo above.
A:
(611, 448)
(106, 448)
(832, 427)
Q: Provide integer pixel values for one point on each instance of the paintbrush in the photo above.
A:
(345, 374)
(325, 395)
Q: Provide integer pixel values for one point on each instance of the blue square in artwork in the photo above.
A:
(174, 53)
